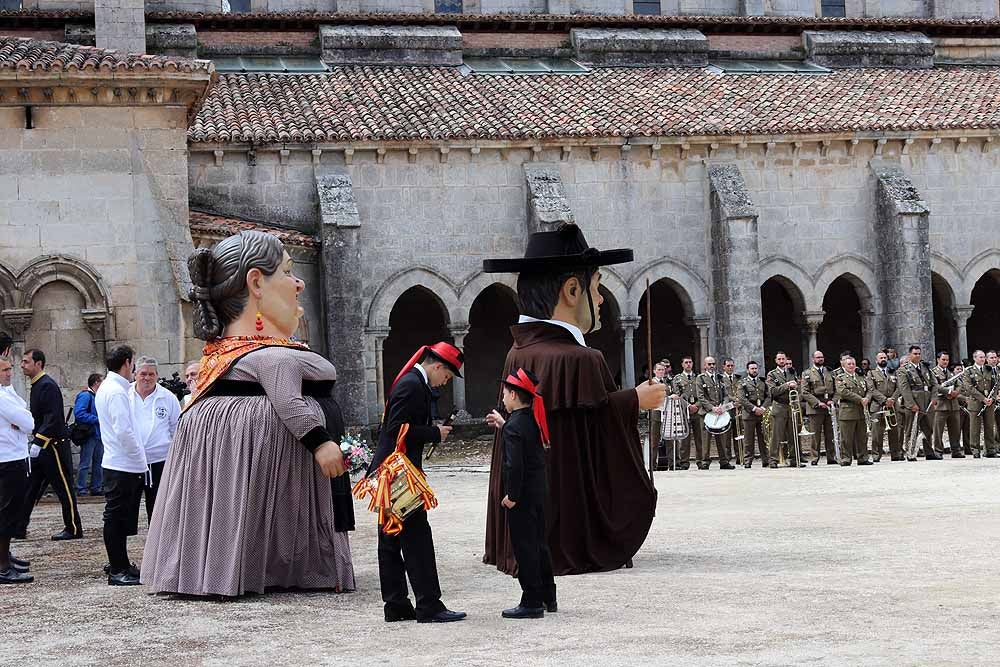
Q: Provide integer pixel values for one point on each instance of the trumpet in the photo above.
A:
(740, 453)
(797, 422)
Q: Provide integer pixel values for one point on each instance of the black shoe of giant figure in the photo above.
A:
(11, 576)
(124, 578)
(66, 535)
(445, 616)
(19, 561)
(524, 612)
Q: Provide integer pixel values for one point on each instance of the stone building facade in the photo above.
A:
(785, 183)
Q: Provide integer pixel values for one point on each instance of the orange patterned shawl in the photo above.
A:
(218, 356)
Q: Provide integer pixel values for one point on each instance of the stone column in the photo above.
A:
(17, 321)
(340, 231)
(458, 332)
(379, 335)
(868, 335)
(812, 319)
(120, 24)
(739, 331)
(904, 275)
(629, 324)
(962, 314)
(703, 322)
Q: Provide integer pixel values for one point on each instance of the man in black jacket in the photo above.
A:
(411, 552)
(54, 463)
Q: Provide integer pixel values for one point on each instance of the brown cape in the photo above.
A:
(600, 502)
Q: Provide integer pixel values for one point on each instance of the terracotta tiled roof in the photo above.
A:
(208, 224)
(19, 54)
(432, 103)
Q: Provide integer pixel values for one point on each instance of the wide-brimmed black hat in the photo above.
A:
(563, 249)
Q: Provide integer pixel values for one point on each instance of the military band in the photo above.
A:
(940, 408)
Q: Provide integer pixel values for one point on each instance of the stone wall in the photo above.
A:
(120, 24)
(92, 199)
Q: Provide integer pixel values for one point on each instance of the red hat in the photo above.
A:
(527, 381)
(446, 353)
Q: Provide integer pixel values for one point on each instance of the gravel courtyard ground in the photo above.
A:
(894, 564)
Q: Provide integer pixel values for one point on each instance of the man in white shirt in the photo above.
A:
(124, 464)
(155, 412)
(16, 424)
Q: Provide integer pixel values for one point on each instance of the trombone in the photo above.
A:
(798, 422)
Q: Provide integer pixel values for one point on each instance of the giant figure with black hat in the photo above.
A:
(601, 500)
(411, 552)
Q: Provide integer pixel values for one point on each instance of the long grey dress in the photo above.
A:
(242, 504)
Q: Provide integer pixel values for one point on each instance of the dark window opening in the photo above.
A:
(833, 8)
(10, 5)
(448, 6)
(647, 7)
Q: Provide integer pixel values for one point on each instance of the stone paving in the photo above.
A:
(887, 565)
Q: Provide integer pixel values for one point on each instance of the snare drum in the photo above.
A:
(717, 424)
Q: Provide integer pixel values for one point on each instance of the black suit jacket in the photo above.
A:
(524, 479)
(409, 403)
(47, 411)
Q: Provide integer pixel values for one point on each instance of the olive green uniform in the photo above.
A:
(917, 386)
(882, 387)
(712, 393)
(947, 414)
(752, 393)
(781, 417)
(977, 383)
(851, 415)
(818, 387)
(686, 386)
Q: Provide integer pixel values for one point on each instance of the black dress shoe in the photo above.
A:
(124, 578)
(727, 466)
(66, 535)
(846, 464)
(396, 615)
(991, 455)
(815, 463)
(911, 459)
(20, 561)
(524, 612)
(773, 466)
(446, 616)
(933, 457)
(747, 465)
(12, 576)
(958, 456)
(865, 463)
(552, 607)
(831, 463)
(685, 466)
(976, 455)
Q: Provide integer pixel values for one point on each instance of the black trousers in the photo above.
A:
(156, 471)
(531, 551)
(123, 493)
(53, 466)
(410, 554)
(13, 479)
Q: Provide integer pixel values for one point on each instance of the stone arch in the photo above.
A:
(475, 285)
(847, 315)
(792, 277)
(390, 291)
(692, 289)
(942, 310)
(486, 344)
(9, 296)
(949, 274)
(50, 268)
(857, 270)
(783, 306)
(975, 269)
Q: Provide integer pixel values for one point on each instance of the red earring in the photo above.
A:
(259, 324)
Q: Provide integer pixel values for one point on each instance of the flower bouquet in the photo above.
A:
(357, 454)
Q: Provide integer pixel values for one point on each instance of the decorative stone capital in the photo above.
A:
(17, 320)
(96, 322)
(459, 331)
(630, 322)
(379, 333)
(811, 319)
(700, 321)
(962, 313)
